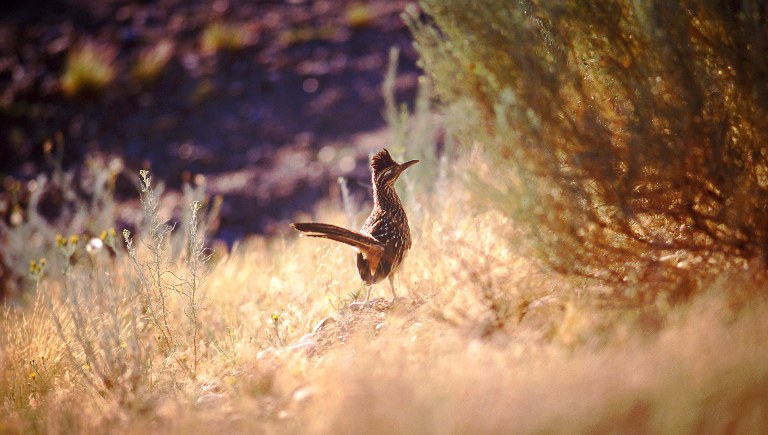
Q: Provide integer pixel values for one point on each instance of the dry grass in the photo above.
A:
(485, 341)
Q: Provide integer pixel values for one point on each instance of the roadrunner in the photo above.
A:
(385, 238)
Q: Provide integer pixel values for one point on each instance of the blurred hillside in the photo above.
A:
(245, 93)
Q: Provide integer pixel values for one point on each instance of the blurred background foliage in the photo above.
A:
(629, 137)
(244, 93)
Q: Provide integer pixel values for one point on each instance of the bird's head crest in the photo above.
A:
(382, 160)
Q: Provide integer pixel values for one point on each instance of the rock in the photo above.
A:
(263, 354)
(307, 346)
(357, 306)
(323, 323)
(208, 398)
(304, 393)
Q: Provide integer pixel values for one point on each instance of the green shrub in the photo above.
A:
(90, 70)
(302, 34)
(152, 62)
(629, 137)
(413, 135)
(359, 15)
(220, 36)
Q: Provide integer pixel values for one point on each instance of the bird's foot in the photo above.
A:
(357, 306)
(397, 299)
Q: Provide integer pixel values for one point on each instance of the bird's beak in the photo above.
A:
(407, 165)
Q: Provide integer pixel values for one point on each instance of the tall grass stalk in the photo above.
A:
(159, 279)
(154, 289)
(197, 257)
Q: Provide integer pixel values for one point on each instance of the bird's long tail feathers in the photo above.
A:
(371, 248)
(339, 234)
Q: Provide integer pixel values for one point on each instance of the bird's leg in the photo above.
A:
(392, 285)
(355, 306)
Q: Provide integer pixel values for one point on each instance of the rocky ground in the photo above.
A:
(271, 122)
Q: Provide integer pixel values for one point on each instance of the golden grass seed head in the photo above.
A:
(146, 180)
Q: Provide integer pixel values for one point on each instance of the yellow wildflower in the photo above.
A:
(109, 234)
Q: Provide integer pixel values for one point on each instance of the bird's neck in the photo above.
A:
(385, 197)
